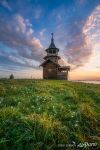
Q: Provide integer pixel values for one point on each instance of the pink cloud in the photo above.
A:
(92, 28)
(82, 42)
(18, 34)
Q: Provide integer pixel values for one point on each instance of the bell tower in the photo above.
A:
(52, 51)
(51, 67)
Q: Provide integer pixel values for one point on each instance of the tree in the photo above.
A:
(11, 76)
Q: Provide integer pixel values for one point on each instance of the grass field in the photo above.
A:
(42, 114)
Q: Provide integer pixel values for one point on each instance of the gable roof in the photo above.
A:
(48, 60)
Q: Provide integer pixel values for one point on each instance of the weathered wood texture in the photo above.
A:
(51, 67)
(50, 71)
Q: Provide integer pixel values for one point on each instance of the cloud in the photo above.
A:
(7, 58)
(82, 39)
(18, 34)
(76, 38)
(92, 28)
(98, 67)
(80, 2)
(41, 33)
(5, 4)
(79, 51)
(37, 12)
(26, 72)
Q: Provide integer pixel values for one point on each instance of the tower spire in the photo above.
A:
(52, 45)
(52, 37)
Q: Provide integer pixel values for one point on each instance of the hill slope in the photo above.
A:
(42, 114)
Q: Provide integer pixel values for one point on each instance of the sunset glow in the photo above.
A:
(25, 29)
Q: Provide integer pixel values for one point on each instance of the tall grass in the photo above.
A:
(41, 114)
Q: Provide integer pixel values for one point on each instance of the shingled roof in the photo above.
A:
(48, 60)
(52, 45)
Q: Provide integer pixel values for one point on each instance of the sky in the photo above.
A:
(25, 33)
